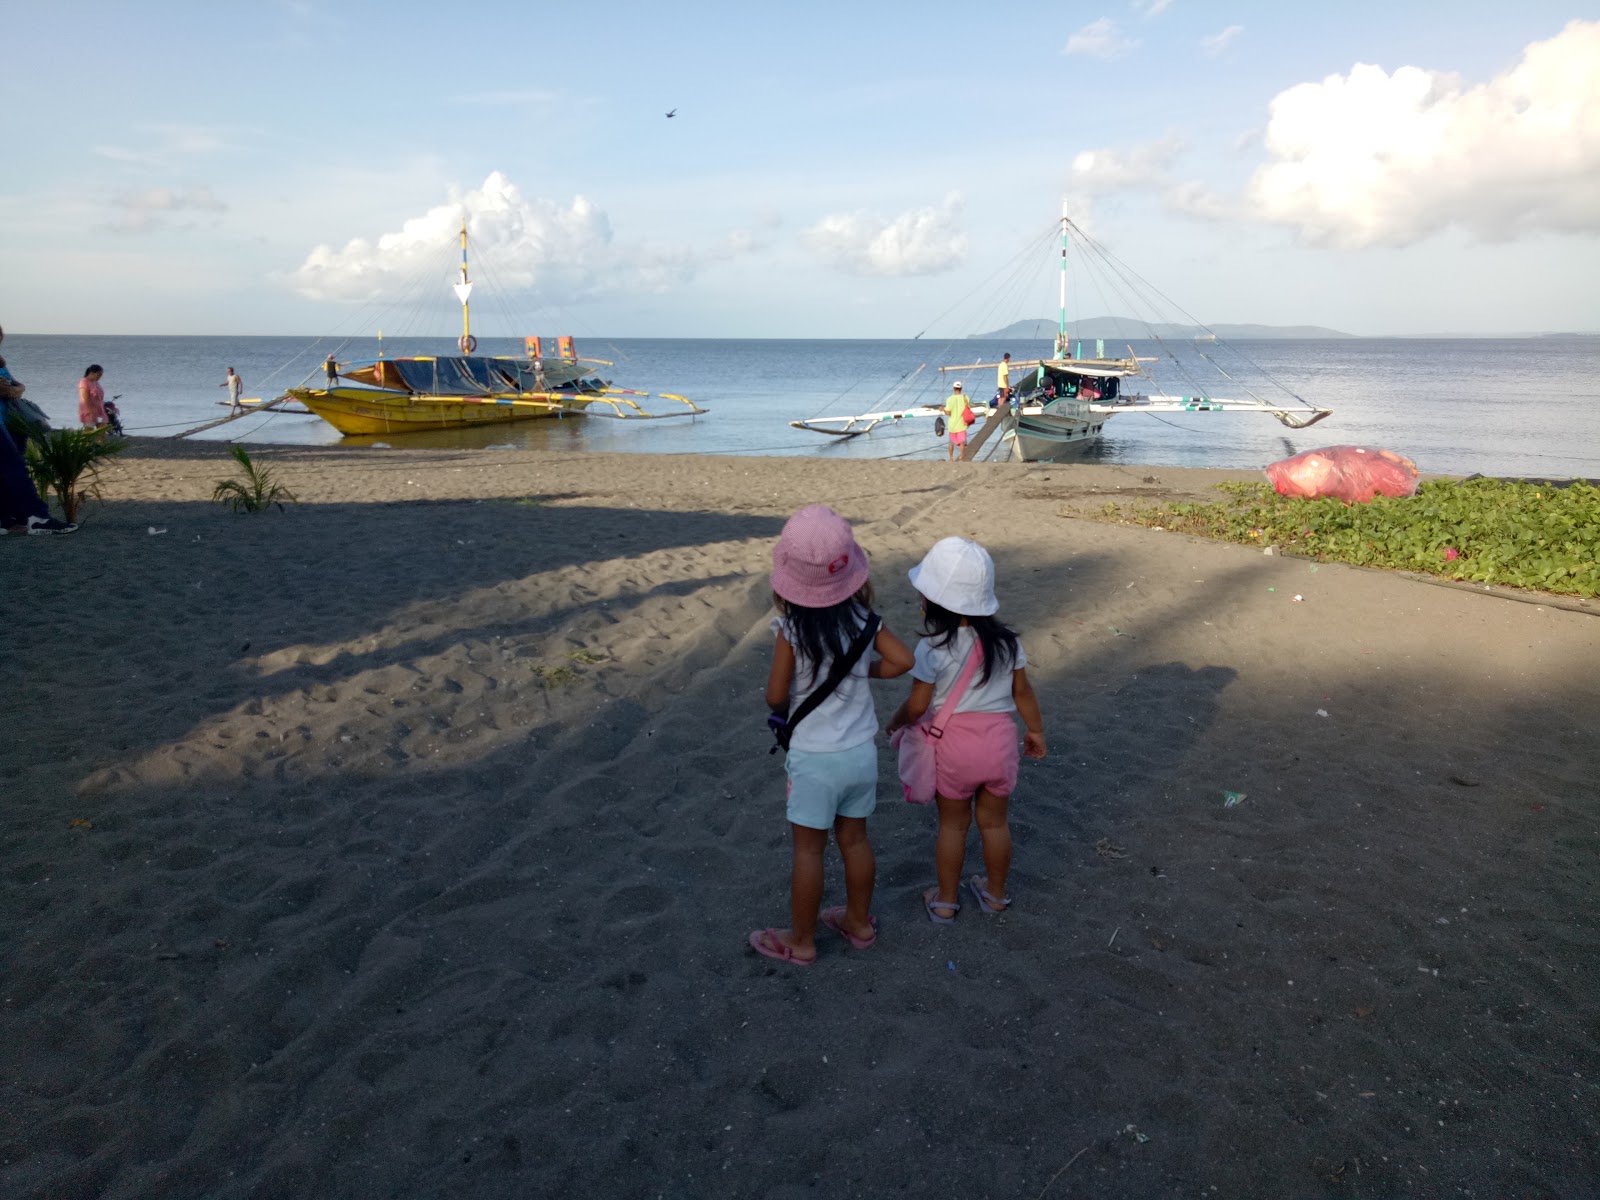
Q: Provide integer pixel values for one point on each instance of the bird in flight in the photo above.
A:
(673, 113)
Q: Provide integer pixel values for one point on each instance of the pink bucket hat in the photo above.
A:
(817, 562)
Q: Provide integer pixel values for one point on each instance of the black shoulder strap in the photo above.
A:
(842, 666)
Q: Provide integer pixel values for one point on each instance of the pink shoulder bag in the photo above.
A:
(915, 742)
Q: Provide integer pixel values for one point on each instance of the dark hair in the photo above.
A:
(999, 641)
(822, 634)
(93, 367)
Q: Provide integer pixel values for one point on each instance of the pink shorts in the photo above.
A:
(978, 750)
(958, 437)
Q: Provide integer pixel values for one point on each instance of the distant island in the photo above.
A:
(1128, 329)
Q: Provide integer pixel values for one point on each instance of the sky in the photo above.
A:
(833, 170)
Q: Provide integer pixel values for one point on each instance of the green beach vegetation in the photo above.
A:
(258, 490)
(1528, 535)
(66, 462)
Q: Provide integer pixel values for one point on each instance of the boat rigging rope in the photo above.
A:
(1128, 273)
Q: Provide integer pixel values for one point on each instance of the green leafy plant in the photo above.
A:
(259, 489)
(21, 425)
(67, 461)
(1528, 535)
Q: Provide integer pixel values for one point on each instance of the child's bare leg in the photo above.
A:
(860, 873)
(805, 889)
(950, 851)
(996, 836)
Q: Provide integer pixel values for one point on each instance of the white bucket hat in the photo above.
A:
(957, 575)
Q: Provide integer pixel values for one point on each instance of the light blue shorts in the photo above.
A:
(824, 784)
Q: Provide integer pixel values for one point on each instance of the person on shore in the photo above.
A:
(235, 387)
(955, 421)
(824, 600)
(976, 759)
(22, 511)
(10, 390)
(1003, 379)
(92, 399)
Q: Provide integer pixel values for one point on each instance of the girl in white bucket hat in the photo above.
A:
(824, 600)
(976, 758)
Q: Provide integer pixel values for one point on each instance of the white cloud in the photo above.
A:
(1195, 199)
(519, 243)
(1151, 9)
(1143, 165)
(1100, 39)
(143, 211)
(1214, 44)
(919, 242)
(1374, 159)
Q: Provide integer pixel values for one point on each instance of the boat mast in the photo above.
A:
(1061, 328)
(467, 342)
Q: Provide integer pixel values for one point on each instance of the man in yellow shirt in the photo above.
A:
(1003, 380)
(955, 420)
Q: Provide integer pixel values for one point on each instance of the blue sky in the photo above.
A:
(834, 170)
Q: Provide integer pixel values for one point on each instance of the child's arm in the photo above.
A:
(915, 705)
(895, 658)
(780, 677)
(1028, 710)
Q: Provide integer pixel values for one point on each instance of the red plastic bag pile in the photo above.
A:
(1354, 474)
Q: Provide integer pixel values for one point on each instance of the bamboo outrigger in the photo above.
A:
(1060, 403)
(412, 394)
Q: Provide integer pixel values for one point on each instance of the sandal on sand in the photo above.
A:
(931, 901)
(833, 918)
(766, 942)
(987, 903)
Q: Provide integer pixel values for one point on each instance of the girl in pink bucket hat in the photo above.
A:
(975, 759)
(825, 626)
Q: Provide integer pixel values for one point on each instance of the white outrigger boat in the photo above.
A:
(1061, 403)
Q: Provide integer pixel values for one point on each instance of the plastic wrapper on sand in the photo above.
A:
(1354, 474)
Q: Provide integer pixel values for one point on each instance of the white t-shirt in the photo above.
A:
(941, 666)
(846, 718)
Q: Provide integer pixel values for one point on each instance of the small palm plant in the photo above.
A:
(253, 493)
(67, 461)
(256, 491)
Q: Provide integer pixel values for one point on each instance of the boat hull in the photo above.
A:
(1055, 431)
(356, 411)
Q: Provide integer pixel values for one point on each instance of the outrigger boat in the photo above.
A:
(408, 395)
(1061, 403)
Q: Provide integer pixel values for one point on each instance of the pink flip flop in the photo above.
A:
(833, 918)
(765, 942)
(987, 904)
(931, 901)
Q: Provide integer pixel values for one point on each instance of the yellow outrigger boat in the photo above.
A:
(409, 395)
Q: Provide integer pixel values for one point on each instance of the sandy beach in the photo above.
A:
(405, 843)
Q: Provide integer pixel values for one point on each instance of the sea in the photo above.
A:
(1523, 407)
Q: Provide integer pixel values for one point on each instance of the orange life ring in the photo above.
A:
(467, 342)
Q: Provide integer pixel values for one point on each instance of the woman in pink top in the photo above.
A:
(92, 399)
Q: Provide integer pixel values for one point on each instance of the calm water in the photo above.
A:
(1500, 407)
